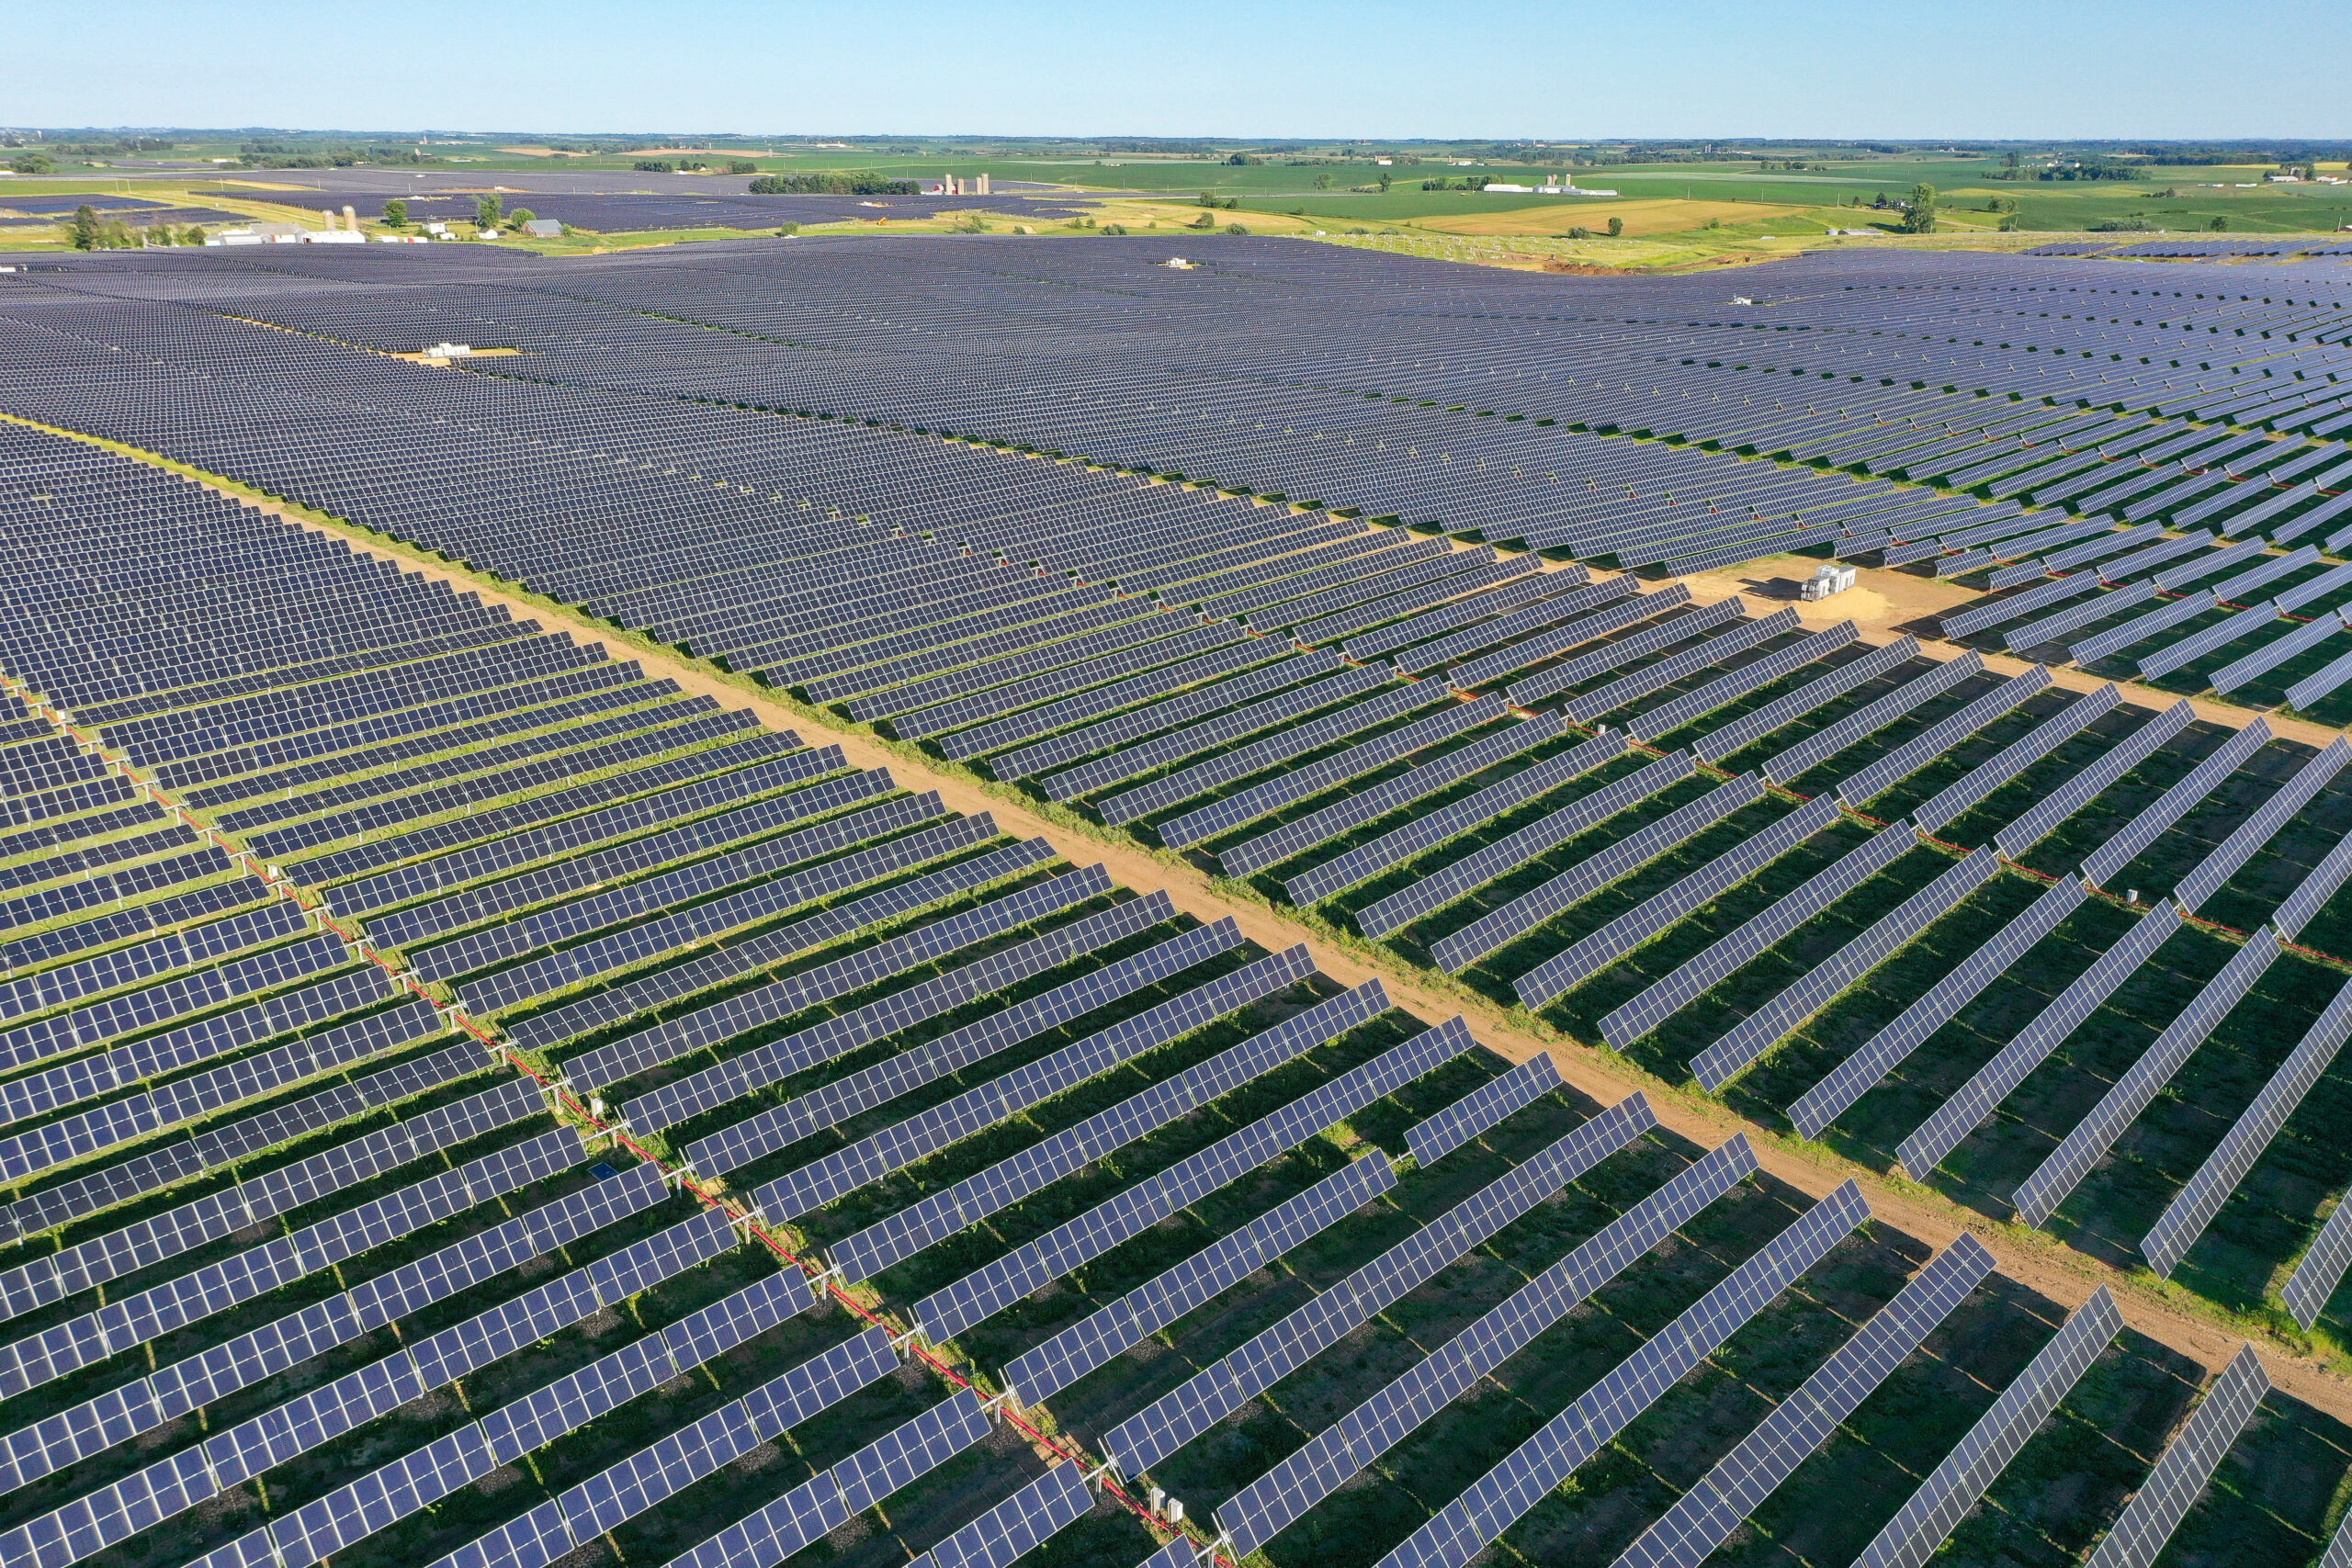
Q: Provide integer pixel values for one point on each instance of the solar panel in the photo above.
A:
(1666, 672)
(2120, 850)
(2078, 792)
(1755, 725)
(1438, 888)
(2064, 1169)
(819, 1505)
(1557, 974)
(1693, 978)
(1852, 1078)
(988, 1290)
(913, 720)
(1299, 784)
(1426, 833)
(2277, 651)
(1953, 1488)
(634, 1053)
(1213, 652)
(1151, 718)
(2054, 627)
(2187, 1464)
(1229, 767)
(1740, 1047)
(651, 939)
(1045, 1369)
(1966, 622)
(1670, 716)
(1461, 948)
(1152, 1434)
(1617, 655)
(2257, 830)
(549, 927)
(2305, 693)
(838, 1102)
(941, 1214)
(1824, 744)
(1705, 1517)
(1495, 1501)
(1276, 713)
(1478, 608)
(1987, 777)
(1056, 1499)
(1958, 1116)
(1615, 616)
(1278, 844)
(696, 1092)
(1434, 1137)
(1261, 1510)
(2177, 655)
(1938, 738)
(1545, 612)
(2186, 1218)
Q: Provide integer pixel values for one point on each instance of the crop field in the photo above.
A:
(891, 900)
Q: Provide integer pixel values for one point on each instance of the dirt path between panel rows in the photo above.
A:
(2031, 1258)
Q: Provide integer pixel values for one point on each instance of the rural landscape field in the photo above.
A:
(1194, 850)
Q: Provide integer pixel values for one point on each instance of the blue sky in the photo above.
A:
(1306, 68)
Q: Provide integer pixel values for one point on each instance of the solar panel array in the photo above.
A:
(2187, 1465)
(519, 814)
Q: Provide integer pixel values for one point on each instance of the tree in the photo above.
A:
(85, 228)
(31, 163)
(741, 167)
(523, 215)
(194, 236)
(1384, 182)
(1616, 227)
(1323, 180)
(783, 229)
(2220, 225)
(396, 214)
(1204, 221)
(1235, 228)
(1919, 216)
(651, 167)
(486, 211)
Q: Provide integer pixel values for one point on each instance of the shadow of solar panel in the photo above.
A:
(2044, 737)
(893, 1148)
(1859, 788)
(2272, 654)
